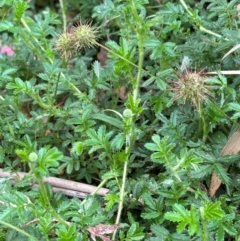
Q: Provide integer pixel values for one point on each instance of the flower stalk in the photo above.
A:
(130, 120)
(33, 159)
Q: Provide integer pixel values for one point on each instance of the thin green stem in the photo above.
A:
(47, 202)
(121, 57)
(204, 225)
(32, 47)
(38, 99)
(201, 28)
(29, 30)
(56, 87)
(186, 7)
(140, 64)
(58, 217)
(63, 15)
(18, 230)
(172, 169)
(204, 30)
(238, 238)
(43, 191)
(204, 124)
(128, 150)
(135, 85)
(224, 114)
(140, 33)
(122, 191)
(96, 190)
(116, 54)
(49, 58)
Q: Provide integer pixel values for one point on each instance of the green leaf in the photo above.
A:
(222, 174)
(135, 232)
(162, 85)
(234, 106)
(109, 175)
(162, 149)
(149, 81)
(91, 206)
(69, 167)
(111, 199)
(77, 148)
(220, 234)
(159, 231)
(93, 135)
(153, 43)
(19, 8)
(124, 45)
(23, 154)
(150, 215)
(104, 10)
(6, 73)
(164, 73)
(48, 158)
(108, 119)
(97, 69)
(235, 116)
(151, 146)
(118, 142)
(67, 233)
(168, 48)
(179, 215)
(213, 211)
(20, 86)
(184, 218)
(6, 26)
(229, 228)
(148, 200)
(156, 139)
(113, 45)
(194, 221)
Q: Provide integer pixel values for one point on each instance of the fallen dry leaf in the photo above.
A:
(232, 147)
(122, 92)
(102, 55)
(101, 229)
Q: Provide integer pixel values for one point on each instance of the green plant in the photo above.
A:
(146, 121)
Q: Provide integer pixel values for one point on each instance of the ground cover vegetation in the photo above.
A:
(137, 98)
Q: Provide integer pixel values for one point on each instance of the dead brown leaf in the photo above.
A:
(232, 147)
(122, 92)
(100, 230)
(102, 55)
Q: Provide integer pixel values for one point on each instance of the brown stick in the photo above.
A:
(70, 188)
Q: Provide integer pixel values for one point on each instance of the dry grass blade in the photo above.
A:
(232, 147)
(231, 51)
(225, 72)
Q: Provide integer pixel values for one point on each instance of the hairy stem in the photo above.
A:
(128, 150)
(135, 85)
(17, 229)
(95, 191)
(140, 33)
(204, 226)
(204, 124)
(201, 28)
(124, 178)
(47, 202)
(116, 54)
(63, 15)
(56, 87)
